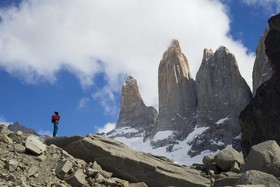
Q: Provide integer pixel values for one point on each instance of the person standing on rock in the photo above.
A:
(55, 121)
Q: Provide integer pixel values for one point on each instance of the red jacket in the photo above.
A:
(55, 119)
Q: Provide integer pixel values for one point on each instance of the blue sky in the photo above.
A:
(73, 56)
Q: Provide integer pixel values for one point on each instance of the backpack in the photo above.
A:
(54, 118)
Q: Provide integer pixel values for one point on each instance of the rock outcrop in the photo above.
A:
(22, 165)
(262, 70)
(125, 163)
(260, 119)
(261, 167)
(133, 112)
(222, 93)
(177, 93)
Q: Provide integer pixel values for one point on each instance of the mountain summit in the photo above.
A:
(195, 116)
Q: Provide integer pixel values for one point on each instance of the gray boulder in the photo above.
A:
(254, 177)
(34, 145)
(227, 158)
(130, 165)
(264, 157)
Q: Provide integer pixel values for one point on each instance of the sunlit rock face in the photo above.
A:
(177, 93)
(133, 112)
(222, 94)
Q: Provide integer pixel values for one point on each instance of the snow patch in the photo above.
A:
(123, 130)
(221, 121)
(161, 135)
(197, 131)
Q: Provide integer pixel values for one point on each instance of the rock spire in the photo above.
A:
(133, 112)
(177, 92)
(222, 93)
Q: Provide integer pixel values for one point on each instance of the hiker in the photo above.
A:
(55, 121)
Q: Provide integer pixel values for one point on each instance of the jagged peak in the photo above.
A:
(222, 50)
(130, 81)
(175, 44)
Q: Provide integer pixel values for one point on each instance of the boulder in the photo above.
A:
(63, 168)
(254, 177)
(264, 157)
(78, 178)
(130, 165)
(34, 145)
(227, 158)
(5, 139)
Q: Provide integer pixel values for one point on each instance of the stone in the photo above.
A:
(227, 157)
(63, 168)
(4, 130)
(259, 121)
(99, 178)
(34, 145)
(177, 93)
(12, 165)
(32, 171)
(208, 159)
(254, 177)
(130, 165)
(5, 139)
(78, 178)
(19, 148)
(264, 157)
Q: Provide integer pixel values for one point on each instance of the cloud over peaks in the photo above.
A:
(117, 38)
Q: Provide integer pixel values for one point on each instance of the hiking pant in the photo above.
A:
(55, 129)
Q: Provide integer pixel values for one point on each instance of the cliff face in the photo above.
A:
(221, 90)
(260, 119)
(222, 94)
(262, 70)
(133, 112)
(177, 92)
(204, 113)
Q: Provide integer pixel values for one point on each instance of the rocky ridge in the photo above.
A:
(96, 161)
(25, 161)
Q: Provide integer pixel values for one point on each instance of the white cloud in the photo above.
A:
(83, 102)
(270, 6)
(4, 121)
(107, 128)
(117, 38)
(106, 98)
